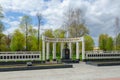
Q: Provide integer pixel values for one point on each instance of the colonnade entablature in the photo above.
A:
(47, 39)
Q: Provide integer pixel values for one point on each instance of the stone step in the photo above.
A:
(34, 67)
(105, 63)
(69, 61)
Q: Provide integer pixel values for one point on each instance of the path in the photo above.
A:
(80, 71)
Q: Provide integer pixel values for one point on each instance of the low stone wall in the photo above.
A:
(19, 56)
(102, 55)
(56, 66)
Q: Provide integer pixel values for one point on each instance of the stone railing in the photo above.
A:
(20, 56)
(102, 55)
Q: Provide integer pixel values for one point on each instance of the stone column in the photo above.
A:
(70, 47)
(43, 48)
(77, 51)
(54, 51)
(62, 46)
(83, 49)
(47, 55)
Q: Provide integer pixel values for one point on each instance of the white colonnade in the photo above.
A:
(47, 41)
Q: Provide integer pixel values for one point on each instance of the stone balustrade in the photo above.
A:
(102, 55)
(19, 56)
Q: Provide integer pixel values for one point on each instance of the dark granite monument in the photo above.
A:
(66, 53)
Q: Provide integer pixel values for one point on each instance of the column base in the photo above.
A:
(83, 60)
(54, 59)
(42, 61)
(48, 60)
(77, 60)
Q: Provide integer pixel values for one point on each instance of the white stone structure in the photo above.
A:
(47, 41)
(89, 55)
(20, 56)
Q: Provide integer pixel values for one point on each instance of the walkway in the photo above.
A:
(80, 71)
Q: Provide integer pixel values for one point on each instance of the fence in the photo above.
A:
(102, 55)
(19, 56)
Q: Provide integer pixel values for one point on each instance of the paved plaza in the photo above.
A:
(80, 71)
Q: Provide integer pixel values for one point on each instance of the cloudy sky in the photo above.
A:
(99, 15)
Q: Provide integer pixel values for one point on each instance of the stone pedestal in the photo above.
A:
(66, 53)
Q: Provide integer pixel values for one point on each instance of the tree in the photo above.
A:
(32, 39)
(78, 31)
(2, 42)
(2, 46)
(74, 22)
(59, 33)
(103, 41)
(48, 33)
(25, 22)
(32, 31)
(89, 43)
(1, 12)
(5, 42)
(117, 31)
(118, 42)
(39, 17)
(1, 27)
(18, 41)
(109, 44)
(1, 17)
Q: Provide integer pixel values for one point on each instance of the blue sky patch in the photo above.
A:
(47, 0)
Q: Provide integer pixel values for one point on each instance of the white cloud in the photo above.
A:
(99, 14)
(12, 26)
(22, 6)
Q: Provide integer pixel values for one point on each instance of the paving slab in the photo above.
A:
(80, 71)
